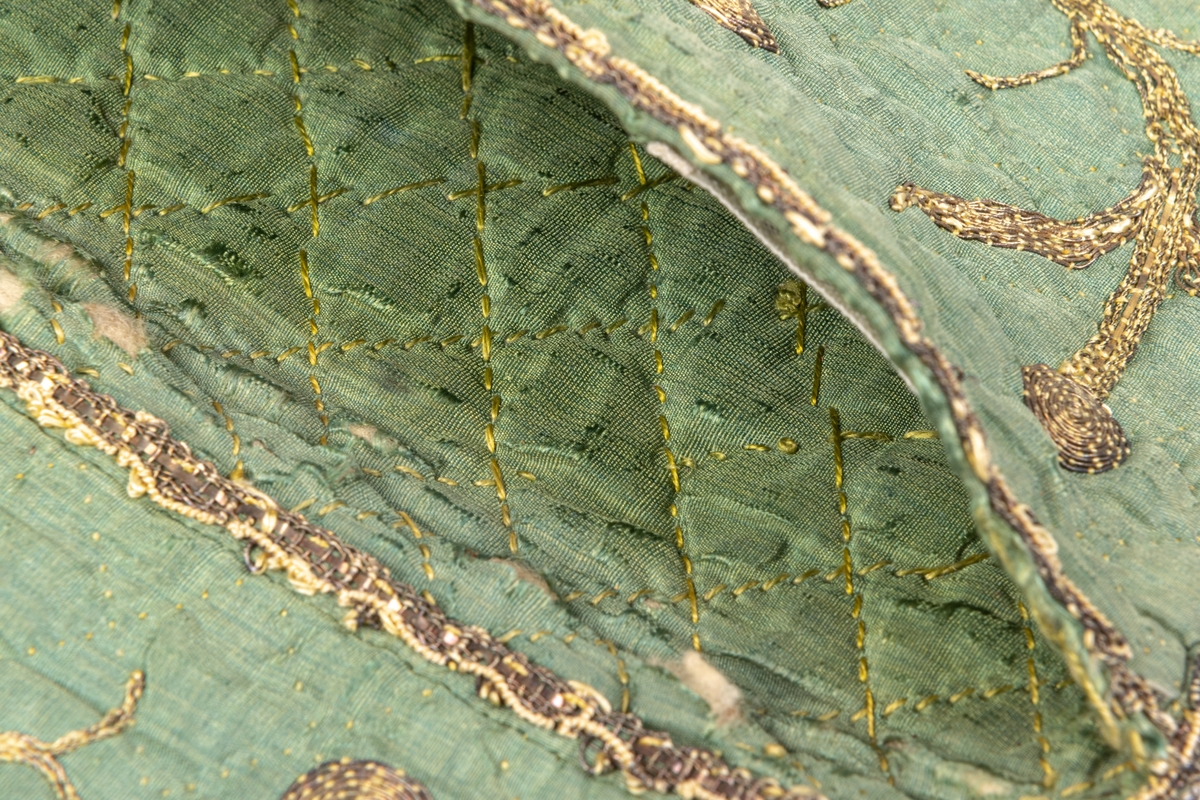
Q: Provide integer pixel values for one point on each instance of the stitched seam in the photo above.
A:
(486, 341)
(856, 607)
(660, 367)
(125, 133)
(313, 204)
(1049, 775)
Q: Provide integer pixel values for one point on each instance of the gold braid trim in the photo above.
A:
(42, 756)
(588, 50)
(316, 561)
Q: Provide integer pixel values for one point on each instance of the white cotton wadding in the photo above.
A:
(124, 331)
(527, 574)
(722, 696)
(11, 289)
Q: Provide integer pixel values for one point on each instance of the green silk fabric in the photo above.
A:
(250, 684)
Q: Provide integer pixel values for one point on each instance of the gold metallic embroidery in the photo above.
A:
(43, 756)
(741, 18)
(355, 780)
(1159, 215)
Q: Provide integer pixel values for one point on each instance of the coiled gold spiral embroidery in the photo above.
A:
(355, 780)
(1088, 437)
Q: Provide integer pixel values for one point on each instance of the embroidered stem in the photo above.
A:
(43, 756)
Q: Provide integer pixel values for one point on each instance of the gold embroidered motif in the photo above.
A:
(43, 756)
(355, 780)
(1159, 216)
(740, 17)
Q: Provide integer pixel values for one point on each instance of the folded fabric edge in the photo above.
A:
(767, 200)
(316, 561)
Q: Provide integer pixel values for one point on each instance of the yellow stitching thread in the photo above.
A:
(224, 201)
(868, 710)
(313, 203)
(408, 187)
(235, 440)
(791, 302)
(660, 392)
(816, 381)
(1049, 775)
(607, 180)
(319, 199)
(125, 134)
(487, 338)
(929, 573)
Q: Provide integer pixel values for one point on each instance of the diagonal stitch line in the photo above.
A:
(313, 203)
(486, 334)
(856, 608)
(125, 133)
(660, 392)
(1049, 775)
